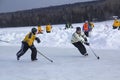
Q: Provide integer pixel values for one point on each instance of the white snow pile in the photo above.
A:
(102, 36)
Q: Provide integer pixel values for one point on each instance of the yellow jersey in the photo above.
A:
(29, 38)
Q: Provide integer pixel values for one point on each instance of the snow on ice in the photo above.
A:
(68, 63)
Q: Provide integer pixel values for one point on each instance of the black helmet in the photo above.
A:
(33, 30)
(78, 29)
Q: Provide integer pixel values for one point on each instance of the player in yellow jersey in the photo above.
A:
(28, 43)
(48, 28)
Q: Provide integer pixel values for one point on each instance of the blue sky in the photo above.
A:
(16, 5)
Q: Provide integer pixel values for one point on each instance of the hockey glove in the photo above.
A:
(85, 39)
(88, 44)
(37, 39)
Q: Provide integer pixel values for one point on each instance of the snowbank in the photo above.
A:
(102, 36)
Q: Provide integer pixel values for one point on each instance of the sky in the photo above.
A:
(16, 5)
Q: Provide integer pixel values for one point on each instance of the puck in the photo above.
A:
(98, 57)
(51, 61)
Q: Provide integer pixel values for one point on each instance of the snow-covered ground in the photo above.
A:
(68, 63)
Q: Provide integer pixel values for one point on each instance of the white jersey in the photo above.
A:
(78, 37)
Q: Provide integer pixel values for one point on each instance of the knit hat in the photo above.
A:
(33, 30)
(78, 29)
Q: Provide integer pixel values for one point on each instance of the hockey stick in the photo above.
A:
(45, 56)
(94, 53)
(4, 41)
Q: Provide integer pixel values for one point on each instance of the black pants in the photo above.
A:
(80, 47)
(24, 48)
(86, 33)
(48, 31)
(114, 27)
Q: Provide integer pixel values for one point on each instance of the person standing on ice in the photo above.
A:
(68, 25)
(48, 28)
(40, 31)
(27, 43)
(119, 26)
(78, 39)
(86, 28)
(116, 23)
(91, 26)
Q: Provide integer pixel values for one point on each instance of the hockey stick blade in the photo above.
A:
(98, 57)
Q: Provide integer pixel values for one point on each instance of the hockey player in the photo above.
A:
(48, 28)
(40, 31)
(116, 23)
(78, 39)
(27, 43)
(86, 28)
(91, 26)
(68, 25)
(119, 26)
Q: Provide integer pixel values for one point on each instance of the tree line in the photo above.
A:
(98, 10)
